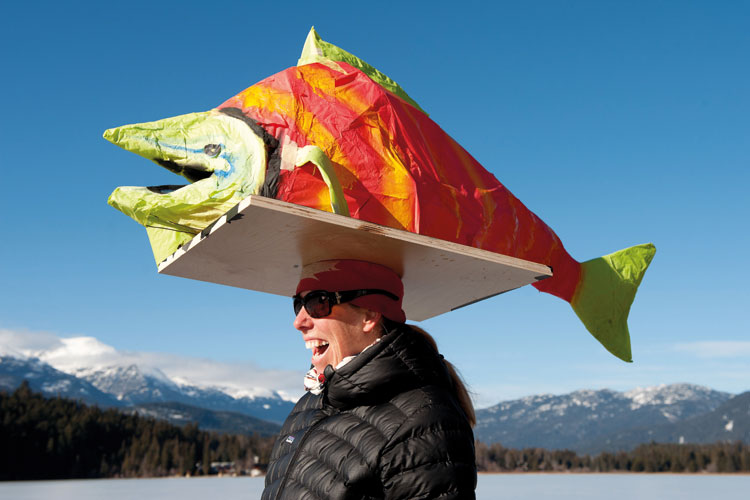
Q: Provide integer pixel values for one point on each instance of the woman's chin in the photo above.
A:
(320, 363)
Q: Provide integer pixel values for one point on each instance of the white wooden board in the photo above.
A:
(262, 244)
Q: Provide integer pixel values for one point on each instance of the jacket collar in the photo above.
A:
(402, 360)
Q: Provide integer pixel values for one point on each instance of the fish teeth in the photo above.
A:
(310, 344)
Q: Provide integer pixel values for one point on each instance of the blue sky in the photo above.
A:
(618, 123)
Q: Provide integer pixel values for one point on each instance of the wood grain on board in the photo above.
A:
(262, 243)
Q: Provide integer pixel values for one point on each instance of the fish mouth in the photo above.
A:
(190, 172)
(222, 155)
(166, 188)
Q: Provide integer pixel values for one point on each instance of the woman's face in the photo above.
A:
(345, 332)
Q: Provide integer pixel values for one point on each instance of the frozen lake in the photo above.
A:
(495, 486)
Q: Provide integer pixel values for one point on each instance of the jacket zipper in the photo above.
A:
(297, 452)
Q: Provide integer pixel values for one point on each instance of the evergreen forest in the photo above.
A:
(652, 457)
(56, 438)
(59, 438)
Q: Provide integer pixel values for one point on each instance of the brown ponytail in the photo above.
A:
(459, 388)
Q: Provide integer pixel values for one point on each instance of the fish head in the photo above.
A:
(224, 156)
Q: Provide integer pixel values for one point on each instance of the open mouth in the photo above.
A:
(190, 172)
(319, 347)
(166, 189)
(218, 152)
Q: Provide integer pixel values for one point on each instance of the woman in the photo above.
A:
(385, 416)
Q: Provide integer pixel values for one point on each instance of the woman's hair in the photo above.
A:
(457, 384)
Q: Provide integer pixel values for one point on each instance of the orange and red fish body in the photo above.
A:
(383, 160)
(397, 167)
(400, 169)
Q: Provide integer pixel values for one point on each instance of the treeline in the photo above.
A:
(653, 457)
(57, 438)
(43, 438)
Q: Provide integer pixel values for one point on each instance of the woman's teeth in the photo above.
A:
(311, 344)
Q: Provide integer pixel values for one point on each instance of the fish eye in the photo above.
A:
(212, 150)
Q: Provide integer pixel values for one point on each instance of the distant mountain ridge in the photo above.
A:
(585, 421)
(729, 422)
(125, 386)
(132, 386)
(593, 421)
(227, 422)
(50, 381)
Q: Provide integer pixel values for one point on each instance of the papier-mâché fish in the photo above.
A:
(333, 133)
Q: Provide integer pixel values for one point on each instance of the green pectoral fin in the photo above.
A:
(317, 157)
(606, 292)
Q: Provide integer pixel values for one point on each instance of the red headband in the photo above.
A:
(342, 275)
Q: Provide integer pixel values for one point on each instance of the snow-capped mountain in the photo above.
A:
(49, 381)
(729, 422)
(123, 386)
(582, 419)
(133, 385)
(586, 421)
(676, 401)
(101, 374)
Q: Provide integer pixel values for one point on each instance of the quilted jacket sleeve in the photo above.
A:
(431, 455)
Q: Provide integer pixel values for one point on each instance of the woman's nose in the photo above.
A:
(302, 321)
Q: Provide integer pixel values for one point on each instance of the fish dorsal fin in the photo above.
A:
(317, 50)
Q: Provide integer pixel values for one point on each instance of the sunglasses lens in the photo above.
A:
(317, 305)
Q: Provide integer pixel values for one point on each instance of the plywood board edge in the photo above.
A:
(399, 234)
(541, 270)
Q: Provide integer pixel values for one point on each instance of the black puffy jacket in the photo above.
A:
(385, 426)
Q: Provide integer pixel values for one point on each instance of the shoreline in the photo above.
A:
(482, 473)
(618, 473)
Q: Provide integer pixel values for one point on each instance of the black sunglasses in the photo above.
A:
(319, 303)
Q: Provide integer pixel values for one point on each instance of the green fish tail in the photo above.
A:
(605, 293)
